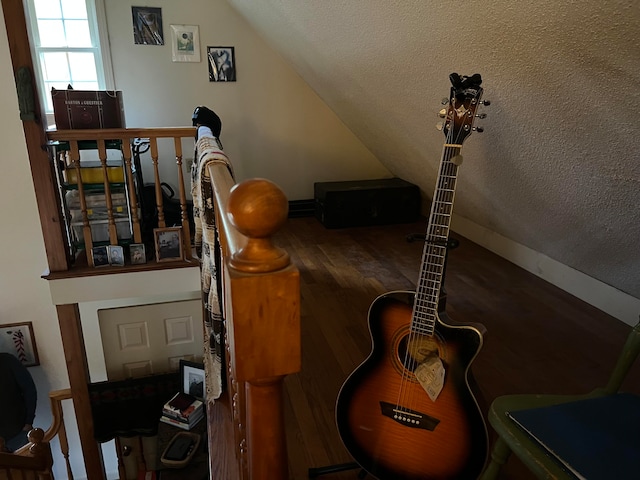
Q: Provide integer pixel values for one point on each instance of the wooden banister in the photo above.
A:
(32, 462)
(123, 136)
(262, 317)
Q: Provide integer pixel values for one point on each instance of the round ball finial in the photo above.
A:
(258, 209)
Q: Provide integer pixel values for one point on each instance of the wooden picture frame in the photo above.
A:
(18, 339)
(185, 43)
(192, 378)
(168, 241)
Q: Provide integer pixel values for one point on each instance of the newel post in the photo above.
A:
(264, 333)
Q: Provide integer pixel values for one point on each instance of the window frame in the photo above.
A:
(98, 32)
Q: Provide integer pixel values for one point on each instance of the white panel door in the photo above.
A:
(150, 339)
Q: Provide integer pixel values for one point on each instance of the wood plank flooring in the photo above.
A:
(539, 338)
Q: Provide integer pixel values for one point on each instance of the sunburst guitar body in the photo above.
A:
(408, 411)
(385, 417)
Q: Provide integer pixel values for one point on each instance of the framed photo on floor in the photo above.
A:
(168, 244)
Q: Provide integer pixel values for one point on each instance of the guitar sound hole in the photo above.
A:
(414, 349)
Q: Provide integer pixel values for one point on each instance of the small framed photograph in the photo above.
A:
(100, 256)
(147, 26)
(137, 253)
(192, 378)
(168, 244)
(116, 256)
(185, 43)
(222, 64)
(18, 340)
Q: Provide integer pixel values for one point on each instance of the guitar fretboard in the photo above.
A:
(425, 307)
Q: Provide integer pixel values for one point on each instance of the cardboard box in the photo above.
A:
(77, 109)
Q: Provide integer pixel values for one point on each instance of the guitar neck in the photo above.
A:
(435, 248)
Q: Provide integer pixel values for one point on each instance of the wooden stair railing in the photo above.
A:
(124, 136)
(34, 460)
(261, 305)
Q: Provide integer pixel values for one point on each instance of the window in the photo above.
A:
(66, 46)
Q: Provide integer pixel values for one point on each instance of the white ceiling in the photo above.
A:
(557, 168)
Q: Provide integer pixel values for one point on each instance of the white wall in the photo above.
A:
(273, 125)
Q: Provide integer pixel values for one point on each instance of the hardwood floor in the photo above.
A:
(539, 339)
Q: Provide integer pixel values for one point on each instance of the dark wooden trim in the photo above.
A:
(41, 168)
(78, 370)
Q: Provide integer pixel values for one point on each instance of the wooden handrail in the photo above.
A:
(36, 456)
(262, 316)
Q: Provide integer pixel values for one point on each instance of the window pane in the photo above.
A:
(77, 33)
(74, 9)
(85, 86)
(48, 86)
(47, 9)
(55, 67)
(51, 33)
(83, 67)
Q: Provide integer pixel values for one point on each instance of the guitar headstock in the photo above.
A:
(461, 107)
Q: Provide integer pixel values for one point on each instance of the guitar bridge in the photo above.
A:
(408, 417)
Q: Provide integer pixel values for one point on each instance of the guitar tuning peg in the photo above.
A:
(478, 129)
(439, 126)
(442, 113)
(481, 115)
(444, 101)
(486, 103)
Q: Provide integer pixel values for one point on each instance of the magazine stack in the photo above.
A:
(182, 411)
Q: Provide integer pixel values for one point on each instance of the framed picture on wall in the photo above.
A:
(222, 64)
(147, 26)
(18, 340)
(185, 43)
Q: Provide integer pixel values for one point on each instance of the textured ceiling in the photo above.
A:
(557, 168)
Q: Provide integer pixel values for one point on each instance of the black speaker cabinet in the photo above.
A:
(366, 202)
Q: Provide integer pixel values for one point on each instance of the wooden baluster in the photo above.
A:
(74, 153)
(153, 143)
(102, 154)
(58, 427)
(186, 234)
(122, 472)
(133, 201)
(257, 209)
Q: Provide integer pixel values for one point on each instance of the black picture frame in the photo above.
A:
(222, 64)
(192, 378)
(147, 26)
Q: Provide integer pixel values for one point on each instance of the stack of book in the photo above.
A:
(182, 411)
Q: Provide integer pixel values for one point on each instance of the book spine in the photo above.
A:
(175, 423)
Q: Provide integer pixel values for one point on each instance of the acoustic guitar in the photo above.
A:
(408, 411)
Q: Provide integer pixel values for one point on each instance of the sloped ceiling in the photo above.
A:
(557, 168)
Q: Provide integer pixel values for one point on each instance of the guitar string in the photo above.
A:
(433, 260)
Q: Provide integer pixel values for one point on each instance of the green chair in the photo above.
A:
(512, 438)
